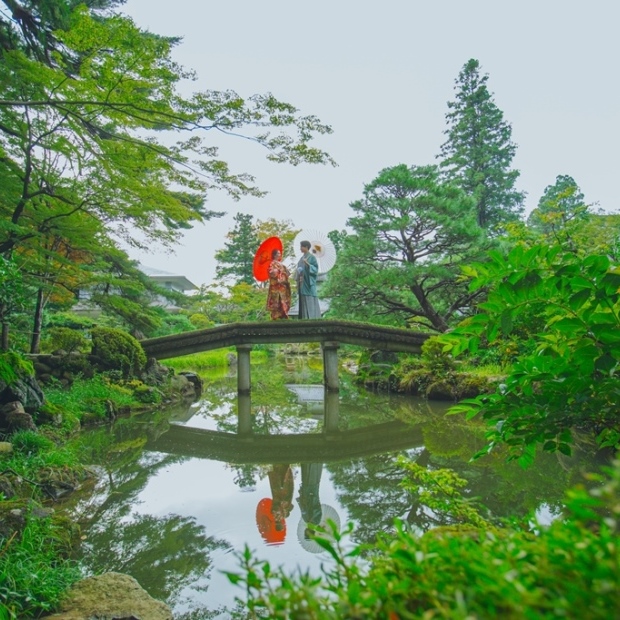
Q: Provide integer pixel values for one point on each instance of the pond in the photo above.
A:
(184, 491)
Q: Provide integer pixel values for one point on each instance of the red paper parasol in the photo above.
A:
(262, 258)
(272, 530)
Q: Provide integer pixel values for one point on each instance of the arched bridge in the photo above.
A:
(329, 333)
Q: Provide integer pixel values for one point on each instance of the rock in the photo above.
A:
(182, 386)
(155, 373)
(14, 418)
(26, 390)
(6, 488)
(108, 596)
(195, 380)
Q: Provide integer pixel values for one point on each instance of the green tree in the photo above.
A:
(285, 229)
(12, 296)
(411, 232)
(99, 149)
(568, 381)
(235, 259)
(478, 152)
(560, 203)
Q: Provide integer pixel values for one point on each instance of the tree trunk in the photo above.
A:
(5, 336)
(437, 321)
(35, 343)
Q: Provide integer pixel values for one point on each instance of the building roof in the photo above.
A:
(180, 283)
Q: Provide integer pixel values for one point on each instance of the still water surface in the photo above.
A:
(184, 491)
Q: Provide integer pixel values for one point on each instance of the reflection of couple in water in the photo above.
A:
(271, 513)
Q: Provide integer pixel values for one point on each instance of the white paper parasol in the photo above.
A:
(307, 542)
(321, 246)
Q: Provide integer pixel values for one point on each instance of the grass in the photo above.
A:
(210, 360)
(88, 396)
(34, 572)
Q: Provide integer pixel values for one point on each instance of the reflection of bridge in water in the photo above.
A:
(327, 446)
(330, 334)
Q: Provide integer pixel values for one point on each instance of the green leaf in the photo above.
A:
(578, 299)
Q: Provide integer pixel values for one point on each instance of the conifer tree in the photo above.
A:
(560, 203)
(236, 258)
(479, 151)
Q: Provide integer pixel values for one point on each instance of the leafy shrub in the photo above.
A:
(13, 366)
(173, 324)
(471, 570)
(70, 321)
(568, 379)
(201, 321)
(65, 338)
(118, 350)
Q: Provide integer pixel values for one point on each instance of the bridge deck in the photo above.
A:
(282, 332)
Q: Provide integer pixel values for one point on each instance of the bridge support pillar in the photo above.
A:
(244, 415)
(332, 405)
(330, 366)
(244, 383)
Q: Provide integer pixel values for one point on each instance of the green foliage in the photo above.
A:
(568, 309)
(479, 151)
(411, 233)
(66, 339)
(238, 303)
(13, 365)
(561, 203)
(31, 443)
(471, 570)
(89, 396)
(85, 98)
(173, 324)
(118, 350)
(34, 570)
(235, 260)
(69, 320)
(435, 374)
(200, 321)
(12, 290)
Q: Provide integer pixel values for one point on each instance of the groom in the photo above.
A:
(307, 271)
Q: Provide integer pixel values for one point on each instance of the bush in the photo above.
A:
(66, 339)
(469, 570)
(116, 349)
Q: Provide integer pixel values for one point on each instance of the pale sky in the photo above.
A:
(381, 74)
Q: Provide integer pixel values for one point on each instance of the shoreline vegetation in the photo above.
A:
(36, 568)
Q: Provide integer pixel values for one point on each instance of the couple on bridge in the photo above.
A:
(279, 293)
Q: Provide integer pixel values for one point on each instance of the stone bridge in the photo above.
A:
(329, 333)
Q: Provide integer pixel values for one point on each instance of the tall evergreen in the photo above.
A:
(236, 258)
(479, 151)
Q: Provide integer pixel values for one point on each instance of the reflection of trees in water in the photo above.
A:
(121, 541)
(175, 546)
(370, 489)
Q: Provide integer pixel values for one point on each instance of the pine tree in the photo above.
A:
(560, 203)
(236, 258)
(478, 152)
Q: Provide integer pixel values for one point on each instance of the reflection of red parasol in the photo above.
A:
(272, 530)
(262, 258)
